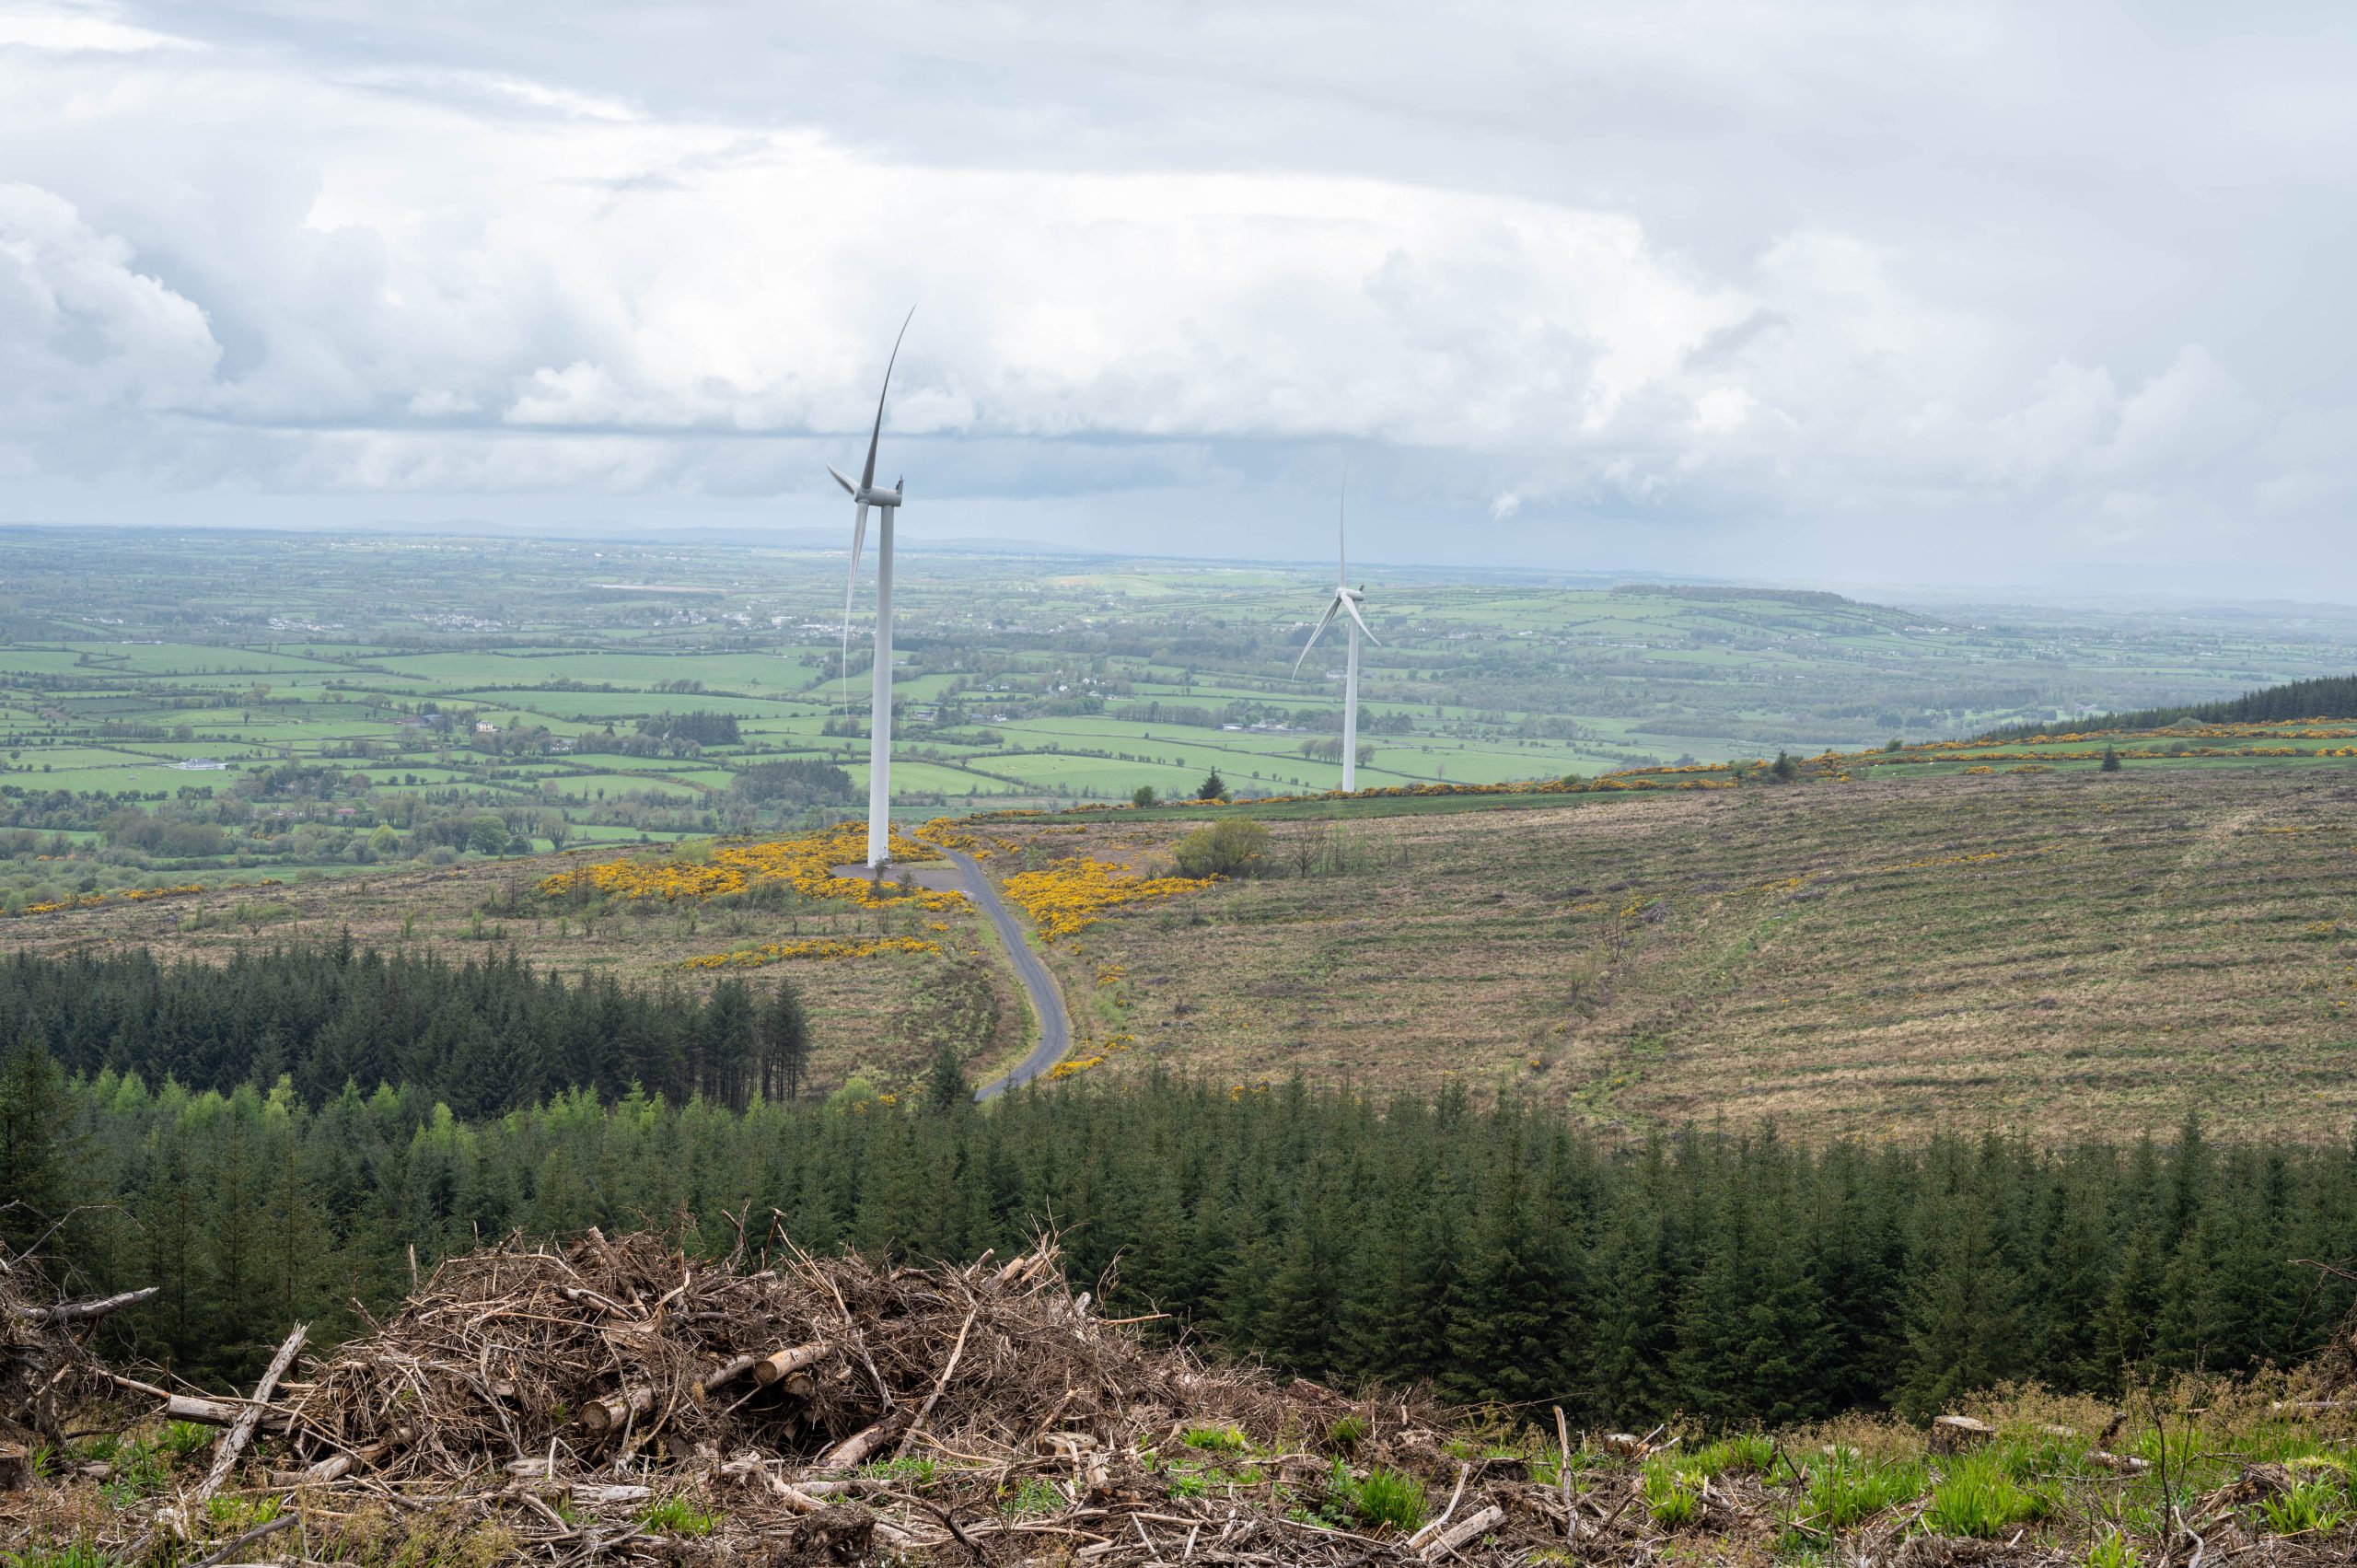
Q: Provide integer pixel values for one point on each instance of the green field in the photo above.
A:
(392, 682)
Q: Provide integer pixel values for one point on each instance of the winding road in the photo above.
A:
(1046, 998)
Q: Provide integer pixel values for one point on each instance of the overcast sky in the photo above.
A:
(1990, 293)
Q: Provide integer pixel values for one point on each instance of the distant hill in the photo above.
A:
(1811, 597)
(2330, 696)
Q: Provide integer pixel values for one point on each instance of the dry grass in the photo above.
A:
(2065, 954)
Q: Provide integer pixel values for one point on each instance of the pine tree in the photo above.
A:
(945, 1089)
(1963, 1306)
(35, 1153)
(785, 1032)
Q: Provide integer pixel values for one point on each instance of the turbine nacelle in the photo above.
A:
(866, 494)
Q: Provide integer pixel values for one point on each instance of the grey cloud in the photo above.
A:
(1716, 281)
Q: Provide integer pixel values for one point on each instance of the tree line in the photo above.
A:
(1502, 1253)
(2326, 696)
(483, 1036)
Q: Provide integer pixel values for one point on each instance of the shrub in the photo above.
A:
(1228, 848)
(1144, 796)
(2110, 763)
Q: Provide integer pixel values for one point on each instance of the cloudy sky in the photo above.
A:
(2005, 293)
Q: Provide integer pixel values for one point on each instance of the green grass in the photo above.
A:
(2114, 1549)
(1032, 1495)
(1844, 1490)
(1385, 1497)
(1673, 1495)
(1750, 1454)
(1216, 1439)
(76, 1553)
(1978, 1496)
(678, 1517)
(2313, 1506)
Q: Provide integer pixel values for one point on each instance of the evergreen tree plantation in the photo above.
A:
(1500, 1252)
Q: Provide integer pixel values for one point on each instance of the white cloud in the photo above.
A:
(1635, 264)
(77, 29)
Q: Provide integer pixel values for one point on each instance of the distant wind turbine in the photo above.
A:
(1346, 601)
(880, 729)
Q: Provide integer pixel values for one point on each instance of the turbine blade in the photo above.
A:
(867, 475)
(1341, 538)
(1353, 609)
(850, 586)
(1316, 632)
(849, 488)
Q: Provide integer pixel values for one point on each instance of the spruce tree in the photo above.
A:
(35, 1128)
(945, 1087)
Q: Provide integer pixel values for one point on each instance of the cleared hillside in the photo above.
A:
(2063, 953)
(1876, 952)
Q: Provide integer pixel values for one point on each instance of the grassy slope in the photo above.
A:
(2065, 953)
(1908, 949)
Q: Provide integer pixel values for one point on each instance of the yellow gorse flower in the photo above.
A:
(805, 863)
(1069, 895)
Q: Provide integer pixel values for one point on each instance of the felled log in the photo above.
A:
(335, 1467)
(66, 1312)
(779, 1364)
(855, 1449)
(2307, 1407)
(2125, 1464)
(726, 1372)
(599, 1416)
(1469, 1528)
(202, 1411)
(595, 1493)
(224, 1456)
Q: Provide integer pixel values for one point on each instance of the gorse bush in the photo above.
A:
(1229, 847)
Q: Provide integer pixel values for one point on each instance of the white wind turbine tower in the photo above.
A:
(1346, 601)
(879, 730)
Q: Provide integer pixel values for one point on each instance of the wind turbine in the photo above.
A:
(1346, 601)
(880, 729)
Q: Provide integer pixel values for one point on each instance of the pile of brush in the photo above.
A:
(616, 1398)
(45, 1365)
